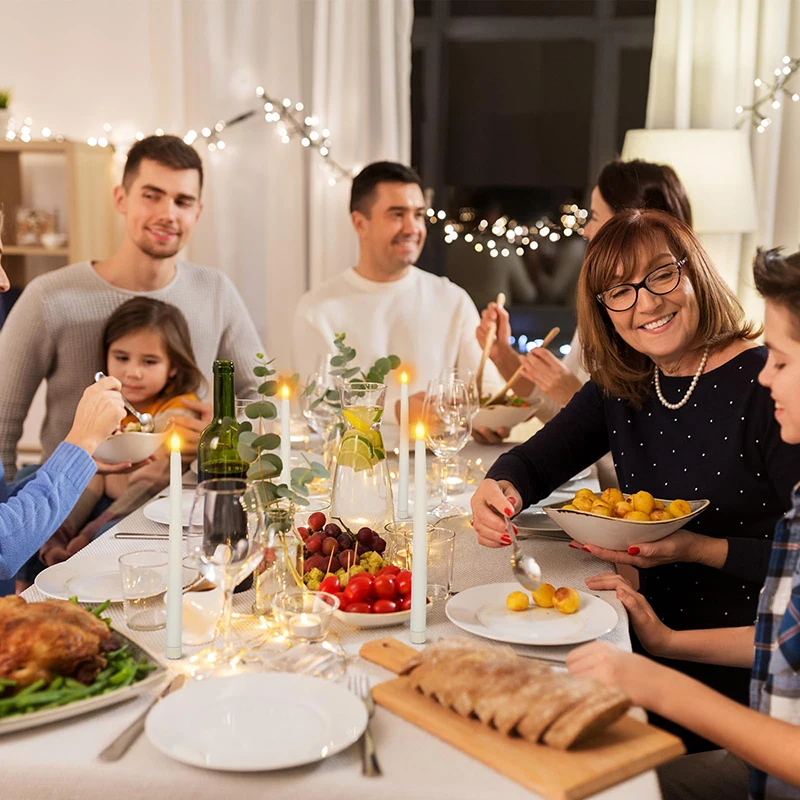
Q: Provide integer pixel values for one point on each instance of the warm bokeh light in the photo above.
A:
(419, 431)
(404, 377)
(175, 443)
(285, 391)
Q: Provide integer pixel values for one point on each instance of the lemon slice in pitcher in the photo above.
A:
(362, 418)
(356, 452)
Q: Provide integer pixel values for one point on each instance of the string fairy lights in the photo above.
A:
(292, 123)
(506, 235)
(775, 92)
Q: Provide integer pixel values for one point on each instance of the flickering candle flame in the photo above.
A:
(175, 443)
(285, 391)
(403, 377)
(419, 431)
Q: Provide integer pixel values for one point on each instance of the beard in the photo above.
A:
(159, 253)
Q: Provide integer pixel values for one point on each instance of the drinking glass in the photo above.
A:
(320, 404)
(441, 547)
(144, 582)
(226, 537)
(468, 377)
(447, 416)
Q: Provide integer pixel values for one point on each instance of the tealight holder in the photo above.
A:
(304, 616)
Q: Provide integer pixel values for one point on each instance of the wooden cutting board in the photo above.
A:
(626, 748)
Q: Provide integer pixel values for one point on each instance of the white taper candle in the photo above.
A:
(286, 435)
(402, 495)
(175, 552)
(419, 550)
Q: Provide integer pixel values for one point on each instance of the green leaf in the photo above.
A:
(394, 361)
(300, 501)
(246, 453)
(300, 488)
(257, 474)
(245, 427)
(268, 441)
(382, 365)
(338, 361)
(263, 410)
(332, 396)
(316, 403)
(247, 437)
(319, 470)
(284, 491)
(309, 390)
(268, 388)
(260, 371)
(229, 424)
(271, 458)
(349, 373)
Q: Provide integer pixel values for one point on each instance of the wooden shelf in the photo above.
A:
(34, 250)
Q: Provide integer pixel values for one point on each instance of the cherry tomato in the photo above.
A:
(384, 606)
(331, 584)
(403, 582)
(389, 569)
(343, 601)
(316, 522)
(359, 608)
(405, 603)
(363, 576)
(357, 591)
(385, 587)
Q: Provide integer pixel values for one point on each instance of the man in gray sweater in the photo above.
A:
(53, 331)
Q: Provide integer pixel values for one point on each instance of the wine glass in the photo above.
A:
(447, 415)
(320, 405)
(226, 540)
(468, 377)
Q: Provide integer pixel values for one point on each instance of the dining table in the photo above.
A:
(60, 761)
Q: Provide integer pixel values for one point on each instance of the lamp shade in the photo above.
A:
(714, 166)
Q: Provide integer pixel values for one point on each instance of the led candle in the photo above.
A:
(419, 563)
(286, 435)
(402, 501)
(175, 551)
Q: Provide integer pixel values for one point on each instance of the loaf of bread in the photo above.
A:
(513, 694)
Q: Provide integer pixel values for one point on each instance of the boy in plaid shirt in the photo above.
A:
(761, 755)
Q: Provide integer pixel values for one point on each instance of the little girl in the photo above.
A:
(145, 345)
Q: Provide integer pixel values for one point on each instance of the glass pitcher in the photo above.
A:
(362, 486)
(281, 569)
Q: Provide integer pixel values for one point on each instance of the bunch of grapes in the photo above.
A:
(330, 546)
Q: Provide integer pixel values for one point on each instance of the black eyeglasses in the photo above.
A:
(662, 280)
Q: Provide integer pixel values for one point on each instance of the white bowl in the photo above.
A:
(133, 446)
(51, 240)
(502, 416)
(617, 534)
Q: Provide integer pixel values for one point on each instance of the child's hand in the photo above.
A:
(643, 680)
(654, 635)
(188, 428)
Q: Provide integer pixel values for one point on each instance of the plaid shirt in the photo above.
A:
(775, 684)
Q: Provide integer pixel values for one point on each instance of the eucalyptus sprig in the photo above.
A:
(259, 449)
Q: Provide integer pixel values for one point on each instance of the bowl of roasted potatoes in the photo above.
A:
(617, 520)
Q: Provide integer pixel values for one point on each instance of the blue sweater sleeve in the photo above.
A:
(35, 509)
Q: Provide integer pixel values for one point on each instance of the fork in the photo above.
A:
(359, 686)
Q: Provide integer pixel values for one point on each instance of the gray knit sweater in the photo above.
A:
(53, 333)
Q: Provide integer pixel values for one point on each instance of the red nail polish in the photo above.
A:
(516, 529)
(508, 511)
(586, 549)
(574, 546)
(633, 551)
(505, 539)
(512, 500)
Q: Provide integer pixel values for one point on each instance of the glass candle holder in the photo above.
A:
(304, 616)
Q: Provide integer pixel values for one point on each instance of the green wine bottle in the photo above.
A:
(217, 448)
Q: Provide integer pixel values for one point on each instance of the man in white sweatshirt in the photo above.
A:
(385, 304)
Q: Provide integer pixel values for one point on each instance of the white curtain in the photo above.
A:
(706, 57)
(271, 220)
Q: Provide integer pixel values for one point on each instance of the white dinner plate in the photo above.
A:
(158, 510)
(482, 610)
(91, 578)
(256, 722)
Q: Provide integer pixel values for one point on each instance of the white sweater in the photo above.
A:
(53, 333)
(424, 319)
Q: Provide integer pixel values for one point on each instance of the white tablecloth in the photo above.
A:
(59, 761)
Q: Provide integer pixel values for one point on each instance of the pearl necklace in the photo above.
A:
(692, 385)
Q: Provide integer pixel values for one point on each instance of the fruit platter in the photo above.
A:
(351, 566)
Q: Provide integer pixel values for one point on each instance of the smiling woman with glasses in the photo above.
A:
(674, 394)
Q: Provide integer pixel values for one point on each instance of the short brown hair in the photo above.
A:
(145, 313)
(169, 151)
(777, 278)
(612, 363)
(364, 184)
(642, 184)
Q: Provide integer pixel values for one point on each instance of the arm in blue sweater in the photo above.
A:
(36, 508)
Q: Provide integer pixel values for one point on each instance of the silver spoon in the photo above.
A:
(526, 568)
(145, 420)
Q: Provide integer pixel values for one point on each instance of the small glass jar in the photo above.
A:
(304, 616)
(281, 569)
